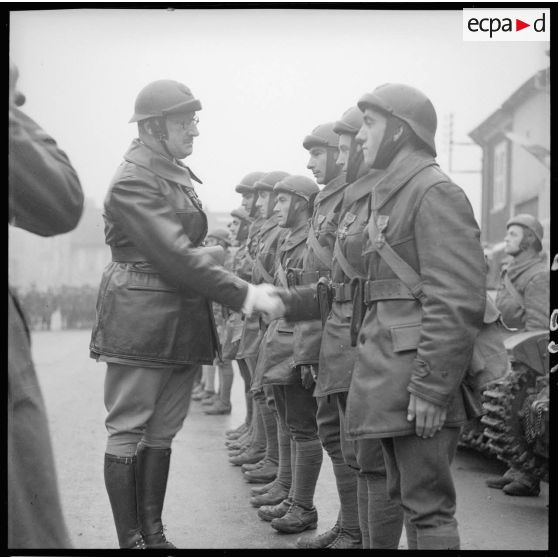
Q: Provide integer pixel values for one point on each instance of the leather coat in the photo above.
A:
(527, 307)
(275, 358)
(406, 346)
(154, 298)
(308, 335)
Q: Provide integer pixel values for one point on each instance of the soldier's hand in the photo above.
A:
(307, 375)
(429, 418)
(268, 303)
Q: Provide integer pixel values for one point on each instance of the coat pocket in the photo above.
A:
(405, 337)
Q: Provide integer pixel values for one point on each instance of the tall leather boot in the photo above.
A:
(385, 517)
(120, 482)
(152, 474)
(443, 537)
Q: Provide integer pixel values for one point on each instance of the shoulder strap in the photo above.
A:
(262, 270)
(321, 252)
(406, 274)
(347, 268)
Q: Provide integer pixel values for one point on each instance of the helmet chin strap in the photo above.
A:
(332, 168)
(356, 158)
(389, 147)
(293, 212)
(270, 205)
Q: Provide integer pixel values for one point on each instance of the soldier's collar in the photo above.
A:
(295, 237)
(332, 187)
(175, 171)
(398, 175)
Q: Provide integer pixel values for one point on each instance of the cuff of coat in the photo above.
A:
(250, 300)
(435, 386)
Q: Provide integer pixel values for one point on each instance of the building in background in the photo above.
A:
(515, 140)
(75, 259)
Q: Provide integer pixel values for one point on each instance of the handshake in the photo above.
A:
(265, 300)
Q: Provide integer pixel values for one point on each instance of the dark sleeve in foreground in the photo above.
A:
(152, 225)
(301, 303)
(45, 193)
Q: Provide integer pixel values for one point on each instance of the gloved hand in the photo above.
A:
(308, 375)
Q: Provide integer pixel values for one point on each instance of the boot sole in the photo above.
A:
(265, 480)
(296, 529)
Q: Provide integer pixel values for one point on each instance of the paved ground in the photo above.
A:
(207, 501)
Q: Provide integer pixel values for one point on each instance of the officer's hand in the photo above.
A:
(268, 303)
(307, 375)
(429, 417)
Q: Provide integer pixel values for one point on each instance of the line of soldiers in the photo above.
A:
(317, 246)
(362, 302)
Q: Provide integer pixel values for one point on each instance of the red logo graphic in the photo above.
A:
(519, 25)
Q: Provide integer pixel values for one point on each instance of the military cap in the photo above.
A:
(350, 122)
(246, 185)
(297, 185)
(321, 136)
(528, 221)
(220, 234)
(268, 180)
(241, 214)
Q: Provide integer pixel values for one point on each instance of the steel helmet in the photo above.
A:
(241, 214)
(246, 185)
(269, 179)
(350, 122)
(297, 185)
(407, 103)
(220, 234)
(321, 136)
(529, 222)
(162, 97)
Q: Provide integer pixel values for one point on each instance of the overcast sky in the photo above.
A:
(265, 79)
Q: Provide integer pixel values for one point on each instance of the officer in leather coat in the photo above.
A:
(154, 323)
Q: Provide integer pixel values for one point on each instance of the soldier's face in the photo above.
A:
(182, 129)
(344, 146)
(247, 201)
(234, 226)
(371, 134)
(262, 202)
(282, 205)
(513, 238)
(317, 163)
(211, 241)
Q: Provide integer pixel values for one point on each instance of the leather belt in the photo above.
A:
(126, 254)
(342, 292)
(309, 277)
(386, 289)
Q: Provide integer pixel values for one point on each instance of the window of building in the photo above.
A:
(500, 175)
